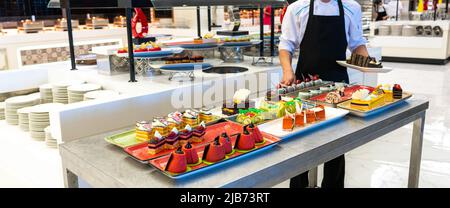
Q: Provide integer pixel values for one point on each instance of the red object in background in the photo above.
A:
(139, 17)
(267, 14)
(425, 5)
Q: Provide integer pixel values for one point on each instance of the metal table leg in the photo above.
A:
(70, 179)
(416, 152)
(312, 177)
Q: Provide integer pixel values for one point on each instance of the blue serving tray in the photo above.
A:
(346, 105)
(152, 54)
(199, 46)
(204, 170)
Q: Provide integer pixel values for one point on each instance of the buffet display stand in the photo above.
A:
(426, 49)
(101, 164)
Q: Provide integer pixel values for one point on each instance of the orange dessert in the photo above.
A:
(310, 116)
(288, 121)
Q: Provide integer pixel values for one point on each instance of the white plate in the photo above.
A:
(365, 69)
(20, 100)
(45, 108)
(275, 127)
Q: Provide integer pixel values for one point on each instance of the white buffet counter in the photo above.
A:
(416, 49)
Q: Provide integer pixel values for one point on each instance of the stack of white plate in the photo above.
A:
(2, 111)
(49, 140)
(76, 92)
(100, 94)
(39, 119)
(23, 114)
(46, 93)
(59, 91)
(15, 103)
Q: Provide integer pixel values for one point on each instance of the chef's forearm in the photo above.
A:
(285, 60)
(361, 50)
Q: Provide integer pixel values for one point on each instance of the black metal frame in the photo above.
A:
(128, 5)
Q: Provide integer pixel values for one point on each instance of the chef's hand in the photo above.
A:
(288, 78)
(286, 65)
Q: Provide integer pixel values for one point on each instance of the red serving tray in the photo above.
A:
(348, 93)
(161, 162)
(140, 153)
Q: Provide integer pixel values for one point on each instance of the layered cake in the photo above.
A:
(205, 115)
(190, 117)
(198, 133)
(364, 100)
(185, 135)
(175, 120)
(143, 131)
(177, 162)
(364, 61)
(172, 139)
(240, 101)
(156, 144)
(160, 124)
(397, 91)
(214, 151)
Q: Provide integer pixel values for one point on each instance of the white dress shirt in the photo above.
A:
(296, 19)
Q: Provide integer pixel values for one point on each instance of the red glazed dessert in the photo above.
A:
(199, 131)
(256, 133)
(299, 119)
(310, 116)
(191, 154)
(172, 139)
(156, 144)
(185, 135)
(245, 141)
(177, 162)
(288, 122)
(226, 142)
(320, 112)
(214, 152)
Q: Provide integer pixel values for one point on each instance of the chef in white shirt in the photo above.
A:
(322, 30)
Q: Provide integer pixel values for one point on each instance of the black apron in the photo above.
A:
(381, 15)
(323, 44)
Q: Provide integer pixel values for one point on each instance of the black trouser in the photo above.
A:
(333, 175)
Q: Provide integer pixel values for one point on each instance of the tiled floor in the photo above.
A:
(381, 163)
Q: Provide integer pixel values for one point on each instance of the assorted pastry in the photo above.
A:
(179, 59)
(187, 126)
(365, 100)
(302, 114)
(144, 47)
(175, 138)
(240, 101)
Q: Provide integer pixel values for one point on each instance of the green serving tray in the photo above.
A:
(124, 139)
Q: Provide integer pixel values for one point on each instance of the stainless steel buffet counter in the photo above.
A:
(101, 164)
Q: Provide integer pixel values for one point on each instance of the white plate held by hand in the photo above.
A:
(365, 69)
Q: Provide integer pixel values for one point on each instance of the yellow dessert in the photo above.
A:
(143, 131)
(363, 100)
